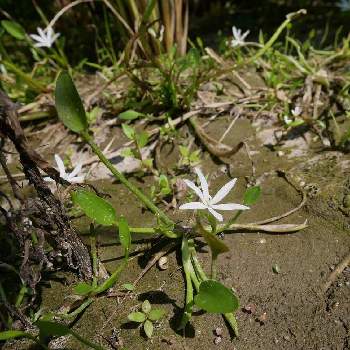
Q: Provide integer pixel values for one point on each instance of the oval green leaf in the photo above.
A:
(130, 115)
(251, 195)
(124, 233)
(12, 334)
(148, 328)
(214, 297)
(146, 306)
(69, 107)
(128, 286)
(156, 314)
(95, 207)
(83, 288)
(48, 328)
(128, 131)
(14, 29)
(137, 317)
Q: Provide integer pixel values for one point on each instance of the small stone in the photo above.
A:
(262, 240)
(218, 331)
(346, 201)
(249, 308)
(276, 269)
(163, 263)
(262, 318)
(217, 340)
(280, 153)
(286, 337)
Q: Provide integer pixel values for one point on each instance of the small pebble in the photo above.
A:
(218, 331)
(262, 318)
(280, 153)
(163, 263)
(262, 240)
(217, 340)
(250, 308)
(276, 269)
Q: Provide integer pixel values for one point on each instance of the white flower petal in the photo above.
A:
(76, 179)
(54, 38)
(193, 205)
(48, 179)
(223, 192)
(216, 214)
(229, 206)
(41, 44)
(194, 188)
(245, 35)
(204, 184)
(60, 165)
(41, 32)
(36, 37)
(76, 170)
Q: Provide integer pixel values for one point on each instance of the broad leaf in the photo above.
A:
(95, 207)
(156, 314)
(48, 328)
(83, 288)
(12, 334)
(148, 328)
(130, 115)
(146, 306)
(142, 139)
(216, 245)
(214, 297)
(137, 317)
(251, 195)
(128, 131)
(124, 233)
(69, 107)
(14, 29)
(128, 286)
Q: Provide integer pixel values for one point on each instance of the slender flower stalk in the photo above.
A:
(207, 201)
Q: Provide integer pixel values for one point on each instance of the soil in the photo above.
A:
(279, 278)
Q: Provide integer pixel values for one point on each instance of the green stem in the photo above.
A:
(77, 311)
(111, 280)
(37, 87)
(275, 36)
(21, 295)
(198, 268)
(186, 262)
(136, 191)
(213, 267)
(231, 319)
(86, 342)
(94, 258)
(143, 230)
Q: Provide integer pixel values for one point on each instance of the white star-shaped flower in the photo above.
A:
(238, 37)
(296, 111)
(207, 201)
(72, 177)
(46, 37)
